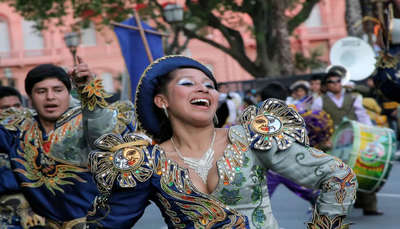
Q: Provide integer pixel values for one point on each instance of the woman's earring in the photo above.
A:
(165, 110)
(215, 119)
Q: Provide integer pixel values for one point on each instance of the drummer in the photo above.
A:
(340, 104)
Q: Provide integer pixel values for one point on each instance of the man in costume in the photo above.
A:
(47, 147)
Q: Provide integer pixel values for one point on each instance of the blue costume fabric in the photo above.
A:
(51, 169)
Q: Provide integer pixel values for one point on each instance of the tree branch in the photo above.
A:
(302, 15)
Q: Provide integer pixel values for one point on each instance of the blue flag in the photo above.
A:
(134, 52)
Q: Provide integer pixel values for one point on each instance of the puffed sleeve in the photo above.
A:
(99, 117)
(277, 135)
(122, 169)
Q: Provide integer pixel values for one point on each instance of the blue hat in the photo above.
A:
(145, 91)
(387, 76)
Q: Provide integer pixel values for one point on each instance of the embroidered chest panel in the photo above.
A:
(205, 211)
(37, 164)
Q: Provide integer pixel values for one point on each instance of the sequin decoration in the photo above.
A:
(126, 160)
(273, 120)
(203, 210)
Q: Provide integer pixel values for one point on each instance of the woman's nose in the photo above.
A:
(203, 88)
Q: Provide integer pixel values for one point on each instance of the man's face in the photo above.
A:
(334, 84)
(50, 98)
(10, 101)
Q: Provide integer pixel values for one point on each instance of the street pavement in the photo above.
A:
(292, 212)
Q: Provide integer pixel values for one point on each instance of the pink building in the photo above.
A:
(22, 48)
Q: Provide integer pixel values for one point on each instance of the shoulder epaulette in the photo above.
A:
(271, 121)
(122, 159)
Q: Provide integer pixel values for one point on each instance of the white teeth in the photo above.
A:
(201, 101)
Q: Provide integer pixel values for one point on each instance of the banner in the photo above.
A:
(134, 52)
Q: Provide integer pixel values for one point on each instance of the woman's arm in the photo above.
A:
(277, 136)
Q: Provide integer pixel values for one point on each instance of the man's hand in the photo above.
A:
(81, 74)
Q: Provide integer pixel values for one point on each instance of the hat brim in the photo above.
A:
(147, 119)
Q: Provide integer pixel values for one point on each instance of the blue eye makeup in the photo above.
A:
(185, 82)
(209, 85)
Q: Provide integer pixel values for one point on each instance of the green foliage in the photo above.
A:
(200, 18)
(304, 64)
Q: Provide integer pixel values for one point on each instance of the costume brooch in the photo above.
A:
(123, 159)
(273, 119)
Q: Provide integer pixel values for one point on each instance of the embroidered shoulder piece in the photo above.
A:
(125, 115)
(122, 160)
(273, 120)
(14, 119)
(93, 94)
(325, 222)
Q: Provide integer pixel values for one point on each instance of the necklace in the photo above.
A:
(200, 165)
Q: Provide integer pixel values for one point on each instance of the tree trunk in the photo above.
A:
(353, 17)
(285, 57)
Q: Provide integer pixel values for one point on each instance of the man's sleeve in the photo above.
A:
(8, 182)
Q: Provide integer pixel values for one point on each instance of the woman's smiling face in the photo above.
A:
(191, 95)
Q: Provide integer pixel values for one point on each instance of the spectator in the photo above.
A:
(9, 97)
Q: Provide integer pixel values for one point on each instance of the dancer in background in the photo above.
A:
(47, 147)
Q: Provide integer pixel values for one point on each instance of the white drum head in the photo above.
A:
(356, 55)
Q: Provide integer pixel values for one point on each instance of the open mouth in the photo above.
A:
(200, 102)
(50, 106)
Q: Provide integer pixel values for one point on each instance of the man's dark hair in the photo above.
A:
(274, 90)
(45, 71)
(9, 91)
(316, 77)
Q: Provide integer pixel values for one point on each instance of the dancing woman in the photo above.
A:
(203, 177)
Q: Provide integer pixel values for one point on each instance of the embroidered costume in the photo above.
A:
(130, 172)
(51, 169)
(271, 136)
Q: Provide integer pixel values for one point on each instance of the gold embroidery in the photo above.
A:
(123, 159)
(324, 222)
(16, 119)
(93, 94)
(46, 172)
(203, 210)
(273, 120)
(75, 223)
(172, 215)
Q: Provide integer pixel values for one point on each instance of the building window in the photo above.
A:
(4, 39)
(88, 35)
(33, 39)
(314, 20)
(108, 82)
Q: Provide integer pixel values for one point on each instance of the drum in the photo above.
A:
(368, 150)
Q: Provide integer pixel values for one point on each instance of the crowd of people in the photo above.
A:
(206, 159)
